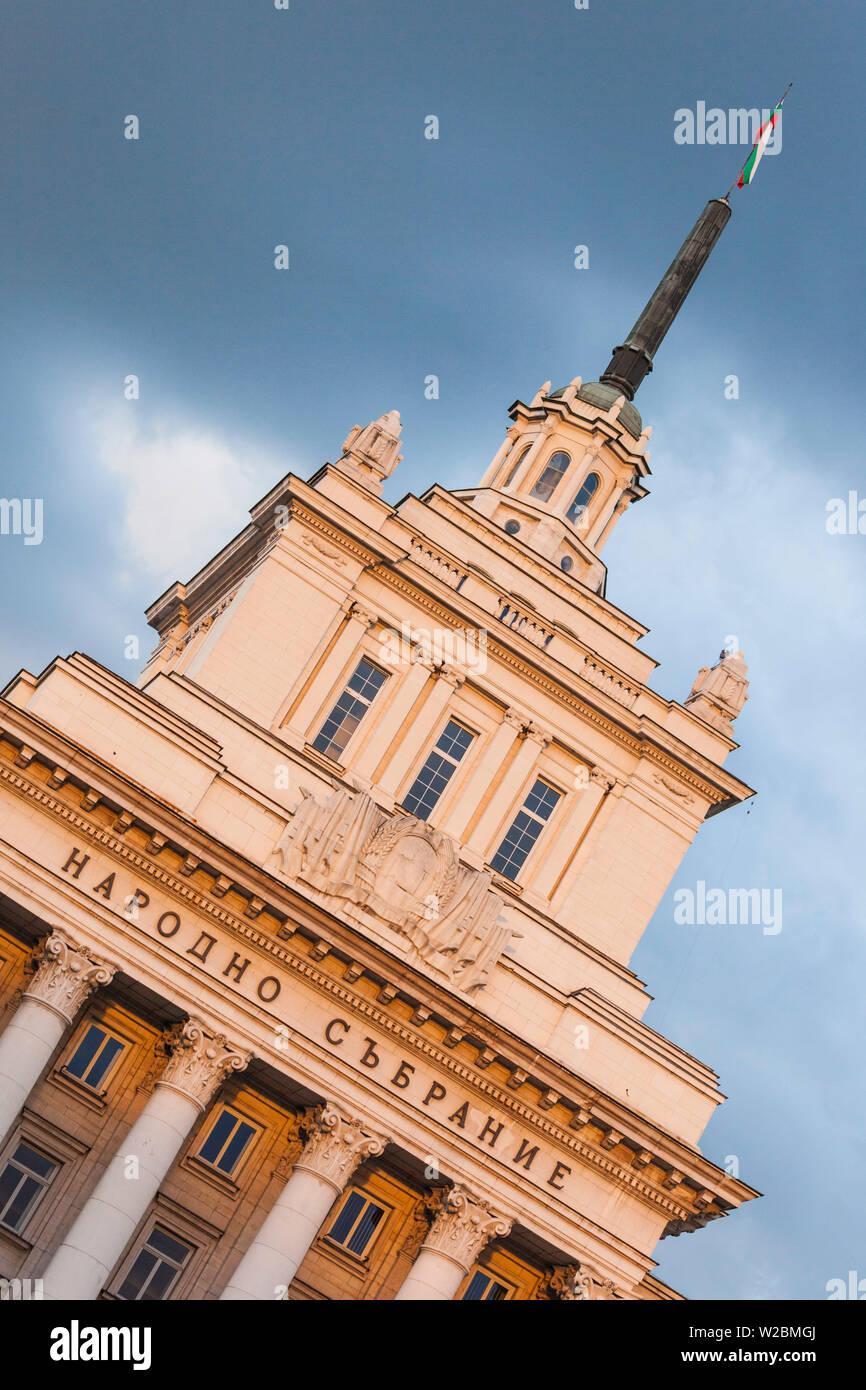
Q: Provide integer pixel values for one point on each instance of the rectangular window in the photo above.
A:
(363, 687)
(226, 1141)
(483, 1288)
(94, 1056)
(155, 1269)
(437, 771)
(356, 1224)
(23, 1182)
(525, 829)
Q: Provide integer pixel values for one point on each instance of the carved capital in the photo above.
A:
(200, 1061)
(560, 1284)
(514, 719)
(463, 1227)
(361, 615)
(536, 734)
(591, 1287)
(602, 779)
(65, 975)
(336, 1145)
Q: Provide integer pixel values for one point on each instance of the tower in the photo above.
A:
(351, 880)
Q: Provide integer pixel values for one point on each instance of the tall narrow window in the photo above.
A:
(438, 770)
(356, 1224)
(226, 1141)
(547, 483)
(512, 472)
(94, 1056)
(525, 829)
(582, 500)
(364, 685)
(155, 1269)
(23, 1182)
(483, 1288)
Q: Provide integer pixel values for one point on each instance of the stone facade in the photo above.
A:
(314, 944)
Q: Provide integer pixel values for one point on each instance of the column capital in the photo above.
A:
(66, 974)
(590, 1286)
(336, 1144)
(515, 719)
(200, 1061)
(560, 1284)
(463, 1226)
(605, 780)
(535, 734)
(362, 615)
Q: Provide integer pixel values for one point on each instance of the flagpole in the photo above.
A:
(746, 160)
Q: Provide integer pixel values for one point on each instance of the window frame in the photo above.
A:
(368, 1200)
(331, 705)
(43, 1186)
(533, 815)
(226, 1108)
(154, 1222)
(482, 1272)
(568, 515)
(548, 501)
(111, 1034)
(456, 766)
(513, 469)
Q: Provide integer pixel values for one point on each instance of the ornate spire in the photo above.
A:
(372, 453)
(633, 359)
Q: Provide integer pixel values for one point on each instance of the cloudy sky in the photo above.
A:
(454, 257)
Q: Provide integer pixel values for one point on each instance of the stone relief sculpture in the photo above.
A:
(405, 873)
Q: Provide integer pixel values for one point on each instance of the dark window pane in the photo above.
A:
(103, 1061)
(36, 1162)
(587, 489)
(9, 1180)
(363, 1232)
(163, 1277)
(85, 1051)
(496, 1292)
(167, 1245)
(367, 680)
(546, 485)
(512, 471)
(238, 1142)
(348, 1215)
(17, 1209)
(132, 1285)
(475, 1288)
(212, 1146)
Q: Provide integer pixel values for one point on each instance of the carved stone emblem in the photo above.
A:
(403, 872)
(66, 974)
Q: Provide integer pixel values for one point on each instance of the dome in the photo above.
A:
(600, 394)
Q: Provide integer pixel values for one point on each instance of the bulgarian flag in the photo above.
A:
(747, 172)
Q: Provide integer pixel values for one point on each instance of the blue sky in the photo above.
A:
(454, 257)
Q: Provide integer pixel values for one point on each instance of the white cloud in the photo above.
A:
(186, 490)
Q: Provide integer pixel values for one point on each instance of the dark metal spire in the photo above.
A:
(633, 359)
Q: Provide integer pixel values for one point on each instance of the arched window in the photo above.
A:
(581, 501)
(546, 485)
(513, 470)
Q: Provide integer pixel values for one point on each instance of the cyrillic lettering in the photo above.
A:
(527, 1157)
(235, 965)
(460, 1115)
(402, 1076)
(494, 1129)
(260, 988)
(78, 862)
(105, 887)
(172, 931)
(335, 1022)
(559, 1171)
(370, 1057)
(436, 1092)
(194, 951)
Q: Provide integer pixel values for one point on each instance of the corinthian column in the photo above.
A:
(66, 974)
(199, 1062)
(458, 1235)
(335, 1147)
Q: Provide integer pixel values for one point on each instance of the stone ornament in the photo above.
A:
(199, 1061)
(560, 1284)
(372, 453)
(591, 1287)
(336, 1144)
(66, 974)
(403, 872)
(720, 692)
(463, 1227)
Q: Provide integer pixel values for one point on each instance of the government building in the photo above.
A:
(314, 943)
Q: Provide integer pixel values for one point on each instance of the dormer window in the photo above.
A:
(512, 472)
(551, 477)
(582, 500)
